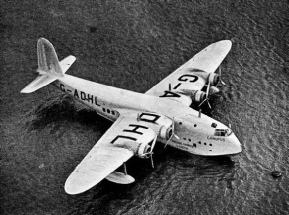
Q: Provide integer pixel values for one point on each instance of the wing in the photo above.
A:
(66, 63)
(108, 154)
(193, 74)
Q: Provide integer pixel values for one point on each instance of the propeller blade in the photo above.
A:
(202, 102)
(209, 104)
(220, 74)
(152, 161)
(207, 91)
(207, 97)
(154, 143)
(168, 142)
(170, 87)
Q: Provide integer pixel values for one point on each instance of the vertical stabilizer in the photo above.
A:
(49, 67)
(47, 58)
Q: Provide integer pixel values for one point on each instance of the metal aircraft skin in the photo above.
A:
(162, 114)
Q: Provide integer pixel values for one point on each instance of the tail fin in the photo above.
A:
(47, 58)
(49, 67)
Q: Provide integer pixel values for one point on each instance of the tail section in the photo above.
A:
(49, 67)
(47, 58)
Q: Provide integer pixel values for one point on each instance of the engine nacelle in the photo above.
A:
(214, 79)
(197, 96)
(165, 132)
(140, 150)
(141, 147)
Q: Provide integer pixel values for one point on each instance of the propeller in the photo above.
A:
(152, 160)
(170, 87)
(220, 75)
(173, 134)
(150, 153)
(207, 96)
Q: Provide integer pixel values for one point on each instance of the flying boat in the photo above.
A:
(162, 114)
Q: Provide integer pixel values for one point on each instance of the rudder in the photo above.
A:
(47, 58)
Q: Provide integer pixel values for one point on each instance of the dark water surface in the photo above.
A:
(134, 45)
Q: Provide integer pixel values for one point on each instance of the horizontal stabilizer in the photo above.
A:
(40, 81)
(66, 63)
(49, 68)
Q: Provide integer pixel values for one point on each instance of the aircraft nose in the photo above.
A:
(236, 143)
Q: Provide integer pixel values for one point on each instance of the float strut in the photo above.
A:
(124, 168)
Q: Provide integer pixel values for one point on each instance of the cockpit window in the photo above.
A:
(223, 132)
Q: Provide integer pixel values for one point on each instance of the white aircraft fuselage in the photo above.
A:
(200, 135)
(162, 114)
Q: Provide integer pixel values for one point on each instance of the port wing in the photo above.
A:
(193, 75)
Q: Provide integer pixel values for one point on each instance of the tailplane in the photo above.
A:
(49, 68)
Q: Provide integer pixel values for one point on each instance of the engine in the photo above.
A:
(214, 79)
(141, 150)
(140, 137)
(197, 96)
(165, 132)
(144, 150)
(140, 144)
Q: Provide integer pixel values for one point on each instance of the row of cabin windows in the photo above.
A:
(210, 144)
(108, 111)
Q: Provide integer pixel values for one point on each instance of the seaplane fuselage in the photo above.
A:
(162, 114)
(196, 132)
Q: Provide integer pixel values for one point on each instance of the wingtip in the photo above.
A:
(25, 90)
(72, 190)
(75, 185)
(227, 43)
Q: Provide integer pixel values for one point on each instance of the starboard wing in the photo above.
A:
(98, 163)
(107, 155)
(193, 74)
